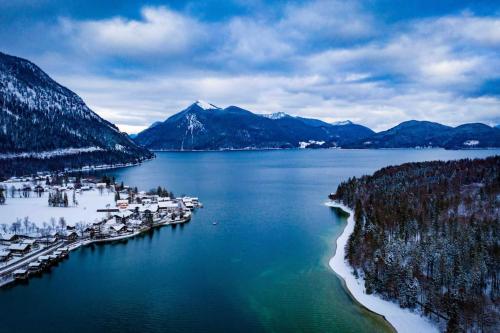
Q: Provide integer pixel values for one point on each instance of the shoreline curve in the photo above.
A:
(402, 320)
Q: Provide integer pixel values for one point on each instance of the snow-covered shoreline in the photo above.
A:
(403, 320)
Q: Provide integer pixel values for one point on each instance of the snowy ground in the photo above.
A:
(38, 210)
(403, 320)
(50, 153)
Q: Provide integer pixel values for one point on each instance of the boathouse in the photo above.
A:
(20, 274)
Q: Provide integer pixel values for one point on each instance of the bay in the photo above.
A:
(262, 268)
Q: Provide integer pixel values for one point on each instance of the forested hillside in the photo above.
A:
(204, 126)
(46, 125)
(427, 236)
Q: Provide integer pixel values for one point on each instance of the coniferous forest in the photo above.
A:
(426, 235)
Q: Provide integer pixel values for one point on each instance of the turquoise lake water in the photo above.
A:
(262, 268)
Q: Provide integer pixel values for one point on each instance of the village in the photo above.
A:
(44, 217)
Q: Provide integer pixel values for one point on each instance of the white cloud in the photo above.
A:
(254, 42)
(328, 19)
(300, 61)
(159, 31)
(134, 105)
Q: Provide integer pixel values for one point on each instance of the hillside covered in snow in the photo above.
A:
(426, 236)
(46, 125)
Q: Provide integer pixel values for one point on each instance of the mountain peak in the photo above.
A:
(276, 115)
(205, 105)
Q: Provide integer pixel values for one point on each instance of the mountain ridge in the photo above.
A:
(233, 127)
(41, 119)
(198, 128)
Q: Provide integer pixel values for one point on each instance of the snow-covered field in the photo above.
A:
(38, 210)
(403, 320)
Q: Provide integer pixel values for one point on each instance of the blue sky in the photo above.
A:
(374, 62)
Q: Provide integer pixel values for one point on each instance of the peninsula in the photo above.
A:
(424, 236)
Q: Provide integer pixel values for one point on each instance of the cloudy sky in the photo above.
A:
(375, 62)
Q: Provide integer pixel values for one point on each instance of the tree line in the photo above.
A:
(426, 235)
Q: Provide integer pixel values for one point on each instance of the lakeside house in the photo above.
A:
(7, 239)
(19, 249)
(5, 255)
(122, 203)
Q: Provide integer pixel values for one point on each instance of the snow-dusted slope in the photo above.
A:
(206, 106)
(203, 126)
(39, 116)
(276, 115)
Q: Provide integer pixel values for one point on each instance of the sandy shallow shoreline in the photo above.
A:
(403, 320)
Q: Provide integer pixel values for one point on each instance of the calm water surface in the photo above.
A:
(263, 268)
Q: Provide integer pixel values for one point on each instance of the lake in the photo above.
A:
(262, 268)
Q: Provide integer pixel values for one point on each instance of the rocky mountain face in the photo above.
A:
(42, 120)
(204, 126)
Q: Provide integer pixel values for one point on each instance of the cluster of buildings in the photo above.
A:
(141, 211)
(120, 213)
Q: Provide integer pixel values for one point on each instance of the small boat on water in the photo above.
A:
(214, 223)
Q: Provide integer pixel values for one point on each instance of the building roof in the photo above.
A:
(118, 227)
(123, 213)
(7, 237)
(20, 271)
(19, 247)
(168, 204)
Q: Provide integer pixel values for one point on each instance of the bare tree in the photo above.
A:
(26, 223)
(53, 222)
(16, 226)
(62, 223)
(80, 226)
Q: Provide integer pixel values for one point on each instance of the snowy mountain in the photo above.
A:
(204, 126)
(276, 115)
(413, 133)
(206, 106)
(40, 119)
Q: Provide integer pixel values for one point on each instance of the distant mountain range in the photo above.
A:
(204, 126)
(44, 123)
(414, 133)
